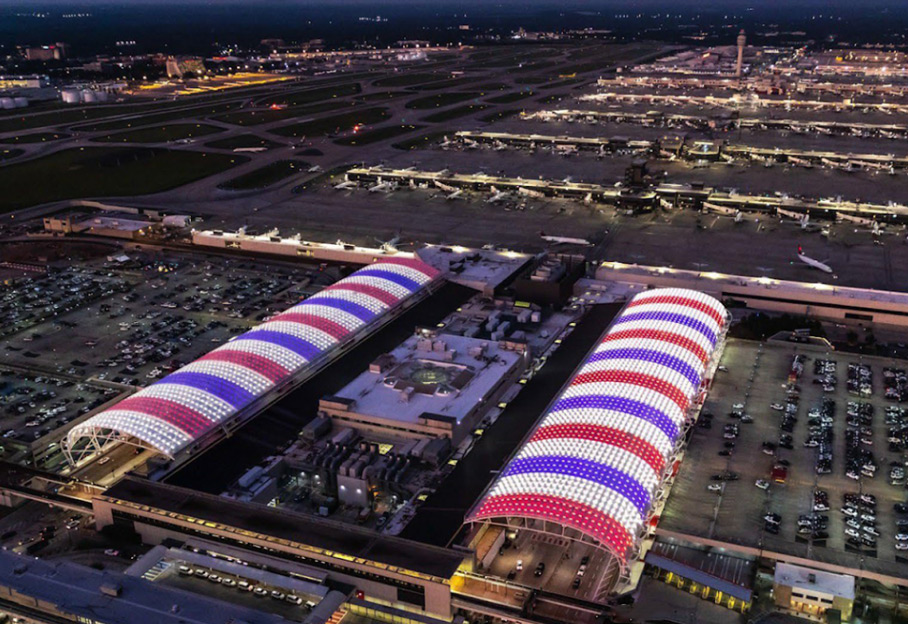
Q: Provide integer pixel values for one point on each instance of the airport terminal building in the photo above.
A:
(594, 467)
(176, 413)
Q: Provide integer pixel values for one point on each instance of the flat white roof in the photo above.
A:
(115, 223)
(297, 242)
(485, 267)
(374, 398)
(808, 579)
(711, 280)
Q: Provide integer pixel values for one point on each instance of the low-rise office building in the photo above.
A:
(813, 592)
(427, 387)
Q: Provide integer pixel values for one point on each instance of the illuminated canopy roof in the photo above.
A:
(596, 459)
(181, 407)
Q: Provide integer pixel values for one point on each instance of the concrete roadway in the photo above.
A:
(562, 562)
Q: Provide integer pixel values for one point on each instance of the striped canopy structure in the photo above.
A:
(596, 459)
(185, 405)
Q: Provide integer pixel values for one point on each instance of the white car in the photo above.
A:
(901, 545)
(737, 406)
(763, 484)
(714, 487)
(902, 537)
(852, 533)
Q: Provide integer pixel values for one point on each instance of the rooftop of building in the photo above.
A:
(476, 268)
(713, 568)
(292, 241)
(116, 598)
(114, 223)
(707, 281)
(841, 585)
(446, 376)
(318, 533)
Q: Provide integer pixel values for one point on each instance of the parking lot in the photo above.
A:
(35, 528)
(80, 337)
(734, 511)
(33, 405)
(234, 589)
(163, 313)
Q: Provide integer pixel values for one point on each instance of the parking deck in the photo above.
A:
(756, 376)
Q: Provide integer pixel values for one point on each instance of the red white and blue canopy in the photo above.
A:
(597, 457)
(183, 406)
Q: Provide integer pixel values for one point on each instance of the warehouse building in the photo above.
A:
(813, 593)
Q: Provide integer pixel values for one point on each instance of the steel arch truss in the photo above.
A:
(95, 440)
(183, 407)
(597, 461)
(556, 529)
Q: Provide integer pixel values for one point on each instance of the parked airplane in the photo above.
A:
(381, 187)
(497, 196)
(813, 263)
(249, 150)
(343, 186)
(454, 194)
(389, 246)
